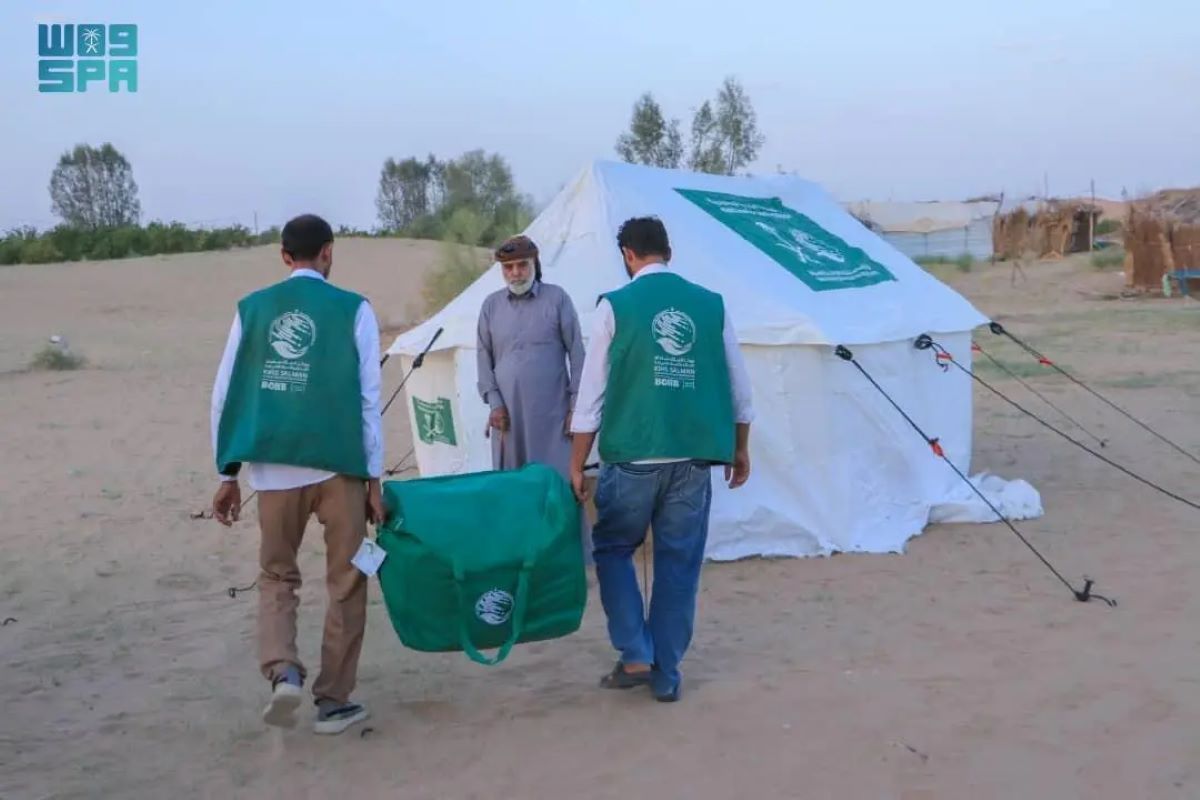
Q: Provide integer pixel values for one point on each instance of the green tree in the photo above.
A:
(737, 127)
(706, 147)
(726, 139)
(404, 192)
(477, 181)
(94, 188)
(512, 216)
(651, 140)
(421, 198)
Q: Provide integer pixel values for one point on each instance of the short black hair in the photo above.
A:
(305, 235)
(645, 236)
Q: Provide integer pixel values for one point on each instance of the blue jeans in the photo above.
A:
(674, 499)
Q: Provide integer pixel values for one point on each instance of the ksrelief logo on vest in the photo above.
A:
(674, 331)
(292, 334)
(494, 606)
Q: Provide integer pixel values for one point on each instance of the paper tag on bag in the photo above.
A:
(369, 558)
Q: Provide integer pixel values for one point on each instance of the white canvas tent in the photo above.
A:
(835, 468)
(932, 229)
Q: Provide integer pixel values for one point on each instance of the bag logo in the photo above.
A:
(674, 331)
(494, 606)
(292, 334)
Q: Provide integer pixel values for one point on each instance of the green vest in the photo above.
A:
(669, 393)
(294, 396)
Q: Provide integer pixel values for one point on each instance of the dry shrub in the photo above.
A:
(460, 264)
(56, 359)
(1010, 234)
(1108, 259)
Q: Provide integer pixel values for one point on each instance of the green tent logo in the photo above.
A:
(435, 421)
(814, 255)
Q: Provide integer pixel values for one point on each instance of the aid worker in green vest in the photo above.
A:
(665, 386)
(296, 404)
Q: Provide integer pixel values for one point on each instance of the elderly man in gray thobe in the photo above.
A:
(528, 333)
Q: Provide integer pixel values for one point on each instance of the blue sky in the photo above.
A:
(283, 107)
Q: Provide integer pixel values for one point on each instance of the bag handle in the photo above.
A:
(518, 618)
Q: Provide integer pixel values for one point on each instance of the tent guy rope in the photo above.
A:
(1000, 366)
(944, 359)
(417, 362)
(1082, 595)
(1000, 330)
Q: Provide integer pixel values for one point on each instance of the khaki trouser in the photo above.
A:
(340, 506)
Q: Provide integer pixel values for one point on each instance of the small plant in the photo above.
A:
(1108, 259)
(56, 358)
(1106, 226)
(965, 262)
(448, 281)
(460, 264)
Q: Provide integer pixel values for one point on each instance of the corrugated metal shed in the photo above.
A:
(931, 230)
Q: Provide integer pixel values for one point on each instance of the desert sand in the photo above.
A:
(959, 669)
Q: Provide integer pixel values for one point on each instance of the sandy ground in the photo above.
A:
(960, 669)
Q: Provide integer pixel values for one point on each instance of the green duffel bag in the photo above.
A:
(482, 560)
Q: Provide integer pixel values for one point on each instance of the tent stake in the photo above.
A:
(1082, 595)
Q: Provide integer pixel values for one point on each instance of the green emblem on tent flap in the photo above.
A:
(792, 240)
(435, 422)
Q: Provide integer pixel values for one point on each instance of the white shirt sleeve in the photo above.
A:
(739, 379)
(589, 403)
(221, 384)
(366, 336)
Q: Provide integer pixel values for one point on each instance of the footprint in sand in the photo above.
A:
(182, 580)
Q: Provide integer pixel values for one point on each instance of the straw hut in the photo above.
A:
(1045, 229)
(1162, 236)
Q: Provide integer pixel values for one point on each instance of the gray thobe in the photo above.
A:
(524, 345)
